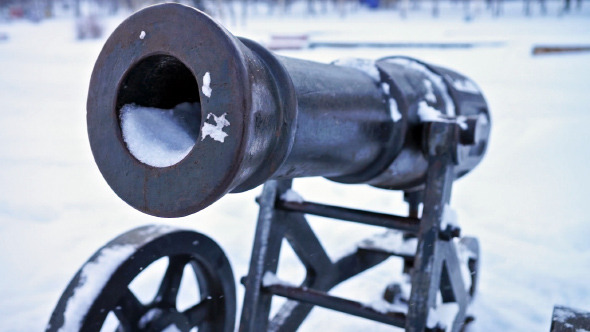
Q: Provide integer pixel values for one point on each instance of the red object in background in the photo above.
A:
(288, 42)
(16, 12)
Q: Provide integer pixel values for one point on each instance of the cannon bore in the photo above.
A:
(181, 112)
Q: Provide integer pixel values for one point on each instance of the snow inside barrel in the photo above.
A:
(181, 112)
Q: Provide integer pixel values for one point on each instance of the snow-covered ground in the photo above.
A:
(526, 202)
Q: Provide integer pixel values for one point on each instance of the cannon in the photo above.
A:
(180, 112)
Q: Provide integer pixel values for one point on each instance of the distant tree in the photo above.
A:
(527, 7)
(567, 5)
(467, 10)
(403, 8)
(435, 8)
(496, 7)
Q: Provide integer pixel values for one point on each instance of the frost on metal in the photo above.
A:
(207, 85)
(385, 88)
(427, 113)
(215, 131)
(393, 109)
(292, 196)
(465, 85)
(151, 232)
(285, 312)
(160, 137)
(430, 96)
(432, 77)
(569, 319)
(365, 65)
(562, 315)
(93, 277)
(391, 241)
(370, 68)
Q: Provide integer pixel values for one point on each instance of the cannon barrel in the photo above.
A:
(181, 112)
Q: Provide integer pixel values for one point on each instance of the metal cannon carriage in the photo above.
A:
(181, 112)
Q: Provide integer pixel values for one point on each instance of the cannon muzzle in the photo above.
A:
(181, 112)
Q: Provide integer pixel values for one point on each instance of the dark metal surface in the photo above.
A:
(213, 311)
(273, 226)
(339, 304)
(569, 320)
(407, 224)
(436, 265)
(435, 269)
(409, 77)
(287, 118)
(265, 252)
(472, 244)
(396, 123)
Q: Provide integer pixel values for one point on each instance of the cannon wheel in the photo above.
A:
(101, 286)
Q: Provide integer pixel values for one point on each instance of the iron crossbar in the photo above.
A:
(406, 224)
(434, 267)
(347, 306)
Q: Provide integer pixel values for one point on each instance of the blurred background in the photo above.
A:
(36, 10)
(526, 202)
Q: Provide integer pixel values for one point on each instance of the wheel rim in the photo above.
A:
(90, 296)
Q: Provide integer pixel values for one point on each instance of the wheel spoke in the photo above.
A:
(213, 276)
(168, 291)
(128, 310)
(199, 312)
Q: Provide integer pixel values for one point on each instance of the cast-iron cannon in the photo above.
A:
(181, 112)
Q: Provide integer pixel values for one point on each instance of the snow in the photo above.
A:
(171, 328)
(385, 307)
(449, 217)
(430, 96)
(215, 131)
(393, 109)
(93, 278)
(432, 78)
(142, 35)
(562, 315)
(281, 316)
(292, 196)
(391, 241)
(160, 137)
(271, 279)
(427, 113)
(207, 85)
(526, 202)
(385, 88)
(465, 85)
(442, 316)
(365, 65)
